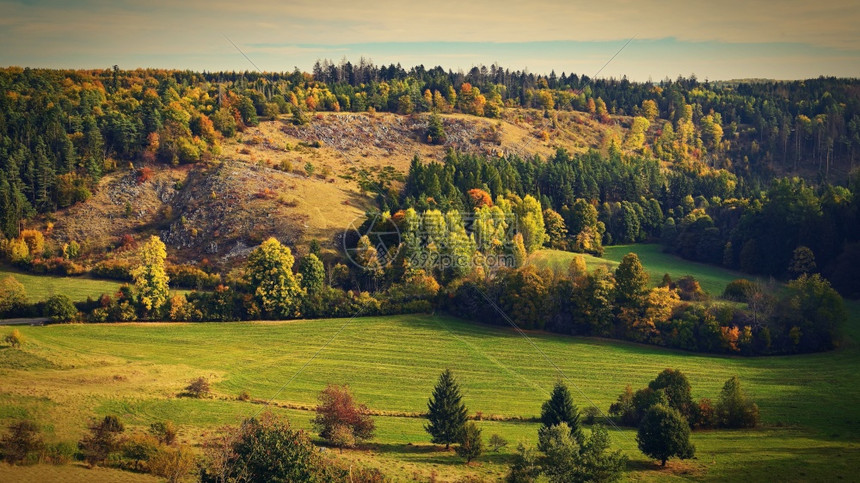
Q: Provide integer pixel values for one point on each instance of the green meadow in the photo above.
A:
(67, 374)
(657, 263)
(41, 287)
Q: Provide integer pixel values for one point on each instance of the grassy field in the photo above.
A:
(712, 279)
(67, 374)
(41, 287)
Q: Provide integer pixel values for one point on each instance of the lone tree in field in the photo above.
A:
(664, 433)
(472, 444)
(22, 440)
(14, 339)
(560, 409)
(270, 274)
(734, 409)
(150, 276)
(446, 412)
(435, 129)
(631, 282)
(102, 440)
(340, 420)
(198, 388)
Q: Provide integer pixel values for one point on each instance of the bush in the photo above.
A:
(497, 442)
(139, 448)
(738, 290)
(164, 432)
(21, 443)
(472, 444)
(189, 276)
(172, 464)
(244, 396)
(198, 388)
(60, 308)
(59, 453)
(689, 289)
(734, 409)
(114, 269)
(570, 459)
(56, 265)
(704, 415)
(102, 441)
(14, 339)
(264, 449)
(590, 415)
(525, 467)
(623, 408)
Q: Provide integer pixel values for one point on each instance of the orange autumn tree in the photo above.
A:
(340, 420)
(480, 198)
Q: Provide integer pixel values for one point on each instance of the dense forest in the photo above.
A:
(710, 216)
(61, 130)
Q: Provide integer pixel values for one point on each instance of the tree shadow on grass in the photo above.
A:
(434, 454)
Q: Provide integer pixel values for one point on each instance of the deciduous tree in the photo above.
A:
(631, 282)
(340, 420)
(150, 276)
(270, 274)
(472, 444)
(663, 434)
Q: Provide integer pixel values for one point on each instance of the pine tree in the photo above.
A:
(560, 409)
(446, 411)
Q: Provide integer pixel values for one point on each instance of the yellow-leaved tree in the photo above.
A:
(150, 276)
(270, 273)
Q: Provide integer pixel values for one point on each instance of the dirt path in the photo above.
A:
(32, 321)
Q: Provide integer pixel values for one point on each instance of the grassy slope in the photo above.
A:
(68, 373)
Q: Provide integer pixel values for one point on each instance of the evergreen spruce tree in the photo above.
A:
(446, 411)
(560, 409)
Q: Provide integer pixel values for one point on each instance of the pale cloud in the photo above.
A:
(100, 32)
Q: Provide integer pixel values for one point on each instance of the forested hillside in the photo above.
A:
(62, 130)
(692, 164)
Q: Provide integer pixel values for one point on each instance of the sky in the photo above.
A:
(716, 40)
